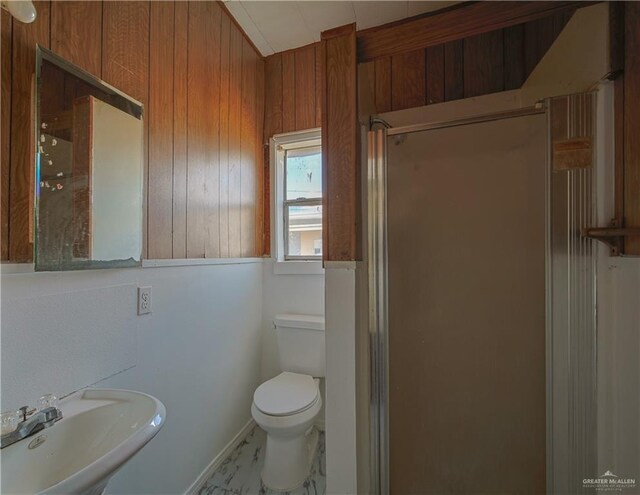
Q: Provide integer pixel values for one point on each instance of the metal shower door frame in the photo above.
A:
(377, 305)
(377, 261)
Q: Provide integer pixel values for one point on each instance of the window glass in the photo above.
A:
(304, 230)
(303, 173)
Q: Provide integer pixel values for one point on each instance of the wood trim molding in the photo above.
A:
(336, 32)
(341, 176)
(449, 25)
(315, 44)
(616, 37)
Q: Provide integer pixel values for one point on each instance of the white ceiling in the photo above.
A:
(282, 25)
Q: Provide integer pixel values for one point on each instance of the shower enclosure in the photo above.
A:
(482, 302)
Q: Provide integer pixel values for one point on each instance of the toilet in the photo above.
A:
(286, 406)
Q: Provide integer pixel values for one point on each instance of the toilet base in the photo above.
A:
(288, 460)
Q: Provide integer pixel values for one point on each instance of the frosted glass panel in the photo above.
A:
(466, 308)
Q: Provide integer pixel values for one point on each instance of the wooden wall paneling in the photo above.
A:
(616, 36)
(261, 164)
(76, 33)
(198, 68)
(248, 151)
(496, 62)
(125, 46)
(617, 60)
(339, 145)
(272, 125)
(161, 54)
(434, 74)
(288, 91)
(235, 126)
(408, 80)
(454, 70)
(225, 34)
(25, 37)
(560, 20)
(483, 64)
(180, 83)
(125, 64)
(619, 136)
(459, 22)
(324, 148)
(202, 141)
(5, 130)
(293, 96)
(632, 125)
(266, 202)
(366, 92)
(305, 87)
(212, 143)
(514, 69)
(318, 70)
(383, 84)
(273, 101)
(538, 37)
(160, 115)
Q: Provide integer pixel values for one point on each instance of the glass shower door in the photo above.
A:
(466, 229)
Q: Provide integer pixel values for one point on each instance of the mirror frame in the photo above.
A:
(128, 104)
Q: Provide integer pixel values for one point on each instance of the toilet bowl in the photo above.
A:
(285, 407)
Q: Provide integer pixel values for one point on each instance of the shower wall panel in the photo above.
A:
(572, 293)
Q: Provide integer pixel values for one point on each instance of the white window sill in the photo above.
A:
(298, 268)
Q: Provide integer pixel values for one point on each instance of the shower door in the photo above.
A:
(465, 231)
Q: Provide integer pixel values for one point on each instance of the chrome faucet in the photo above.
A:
(37, 422)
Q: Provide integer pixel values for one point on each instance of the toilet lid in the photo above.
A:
(286, 394)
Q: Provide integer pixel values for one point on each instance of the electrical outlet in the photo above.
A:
(144, 300)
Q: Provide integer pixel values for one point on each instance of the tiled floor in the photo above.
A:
(239, 474)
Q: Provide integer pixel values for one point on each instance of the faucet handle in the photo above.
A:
(26, 411)
(9, 421)
(48, 400)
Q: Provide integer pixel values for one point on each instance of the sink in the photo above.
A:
(100, 431)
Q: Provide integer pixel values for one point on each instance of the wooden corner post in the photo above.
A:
(341, 177)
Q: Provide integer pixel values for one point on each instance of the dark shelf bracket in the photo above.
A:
(613, 235)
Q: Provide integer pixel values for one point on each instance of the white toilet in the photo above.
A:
(287, 405)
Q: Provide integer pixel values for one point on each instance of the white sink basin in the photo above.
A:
(101, 429)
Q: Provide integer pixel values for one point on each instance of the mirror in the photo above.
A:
(89, 170)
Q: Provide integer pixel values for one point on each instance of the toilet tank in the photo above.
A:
(301, 343)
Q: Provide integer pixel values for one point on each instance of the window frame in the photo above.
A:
(279, 145)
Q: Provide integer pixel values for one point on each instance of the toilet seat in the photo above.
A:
(286, 394)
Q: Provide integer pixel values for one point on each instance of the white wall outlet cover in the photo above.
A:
(144, 300)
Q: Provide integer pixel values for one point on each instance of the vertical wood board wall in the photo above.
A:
(293, 102)
(202, 84)
(477, 65)
(341, 167)
(491, 62)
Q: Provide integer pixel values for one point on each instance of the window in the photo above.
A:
(297, 218)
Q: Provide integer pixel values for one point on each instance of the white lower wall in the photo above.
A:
(301, 293)
(199, 352)
(618, 312)
(619, 367)
(340, 321)
(297, 294)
